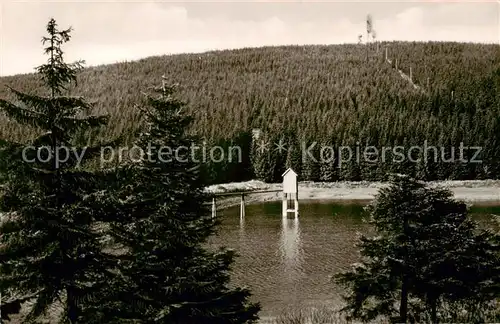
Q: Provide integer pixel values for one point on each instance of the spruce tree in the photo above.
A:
(311, 165)
(50, 250)
(262, 158)
(428, 256)
(168, 275)
(328, 161)
(294, 155)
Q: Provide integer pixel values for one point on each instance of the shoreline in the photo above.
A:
(481, 193)
(475, 192)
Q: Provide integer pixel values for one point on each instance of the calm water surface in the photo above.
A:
(288, 262)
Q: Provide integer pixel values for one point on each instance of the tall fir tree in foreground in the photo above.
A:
(167, 273)
(50, 251)
(429, 262)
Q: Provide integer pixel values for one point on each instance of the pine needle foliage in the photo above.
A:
(50, 252)
(167, 275)
(427, 259)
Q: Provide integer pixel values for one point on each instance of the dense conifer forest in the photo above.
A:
(129, 243)
(329, 95)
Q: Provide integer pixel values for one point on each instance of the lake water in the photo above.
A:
(288, 263)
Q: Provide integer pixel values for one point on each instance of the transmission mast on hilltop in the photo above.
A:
(369, 29)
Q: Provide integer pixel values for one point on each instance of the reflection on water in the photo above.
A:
(289, 262)
(242, 226)
(291, 253)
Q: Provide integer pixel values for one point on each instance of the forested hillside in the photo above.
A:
(334, 95)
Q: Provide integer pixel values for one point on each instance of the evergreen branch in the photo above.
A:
(41, 171)
(46, 139)
(13, 305)
(113, 143)
(76, 124)
(72, 105)
(44, 299)
(24, 116)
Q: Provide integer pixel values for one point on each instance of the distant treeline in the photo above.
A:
(328, 95)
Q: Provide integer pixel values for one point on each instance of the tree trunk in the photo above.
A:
(403, 308)
(434, 319)
(71, 307)
(434, 314)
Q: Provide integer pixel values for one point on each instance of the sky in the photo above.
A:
(113, 31)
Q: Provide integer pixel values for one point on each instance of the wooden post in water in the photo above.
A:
(386, 57)
(290, 189)
(242, 206)
(214, 208)
(296, 203)
(411, 79)
(396, 64)
(285, 205)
